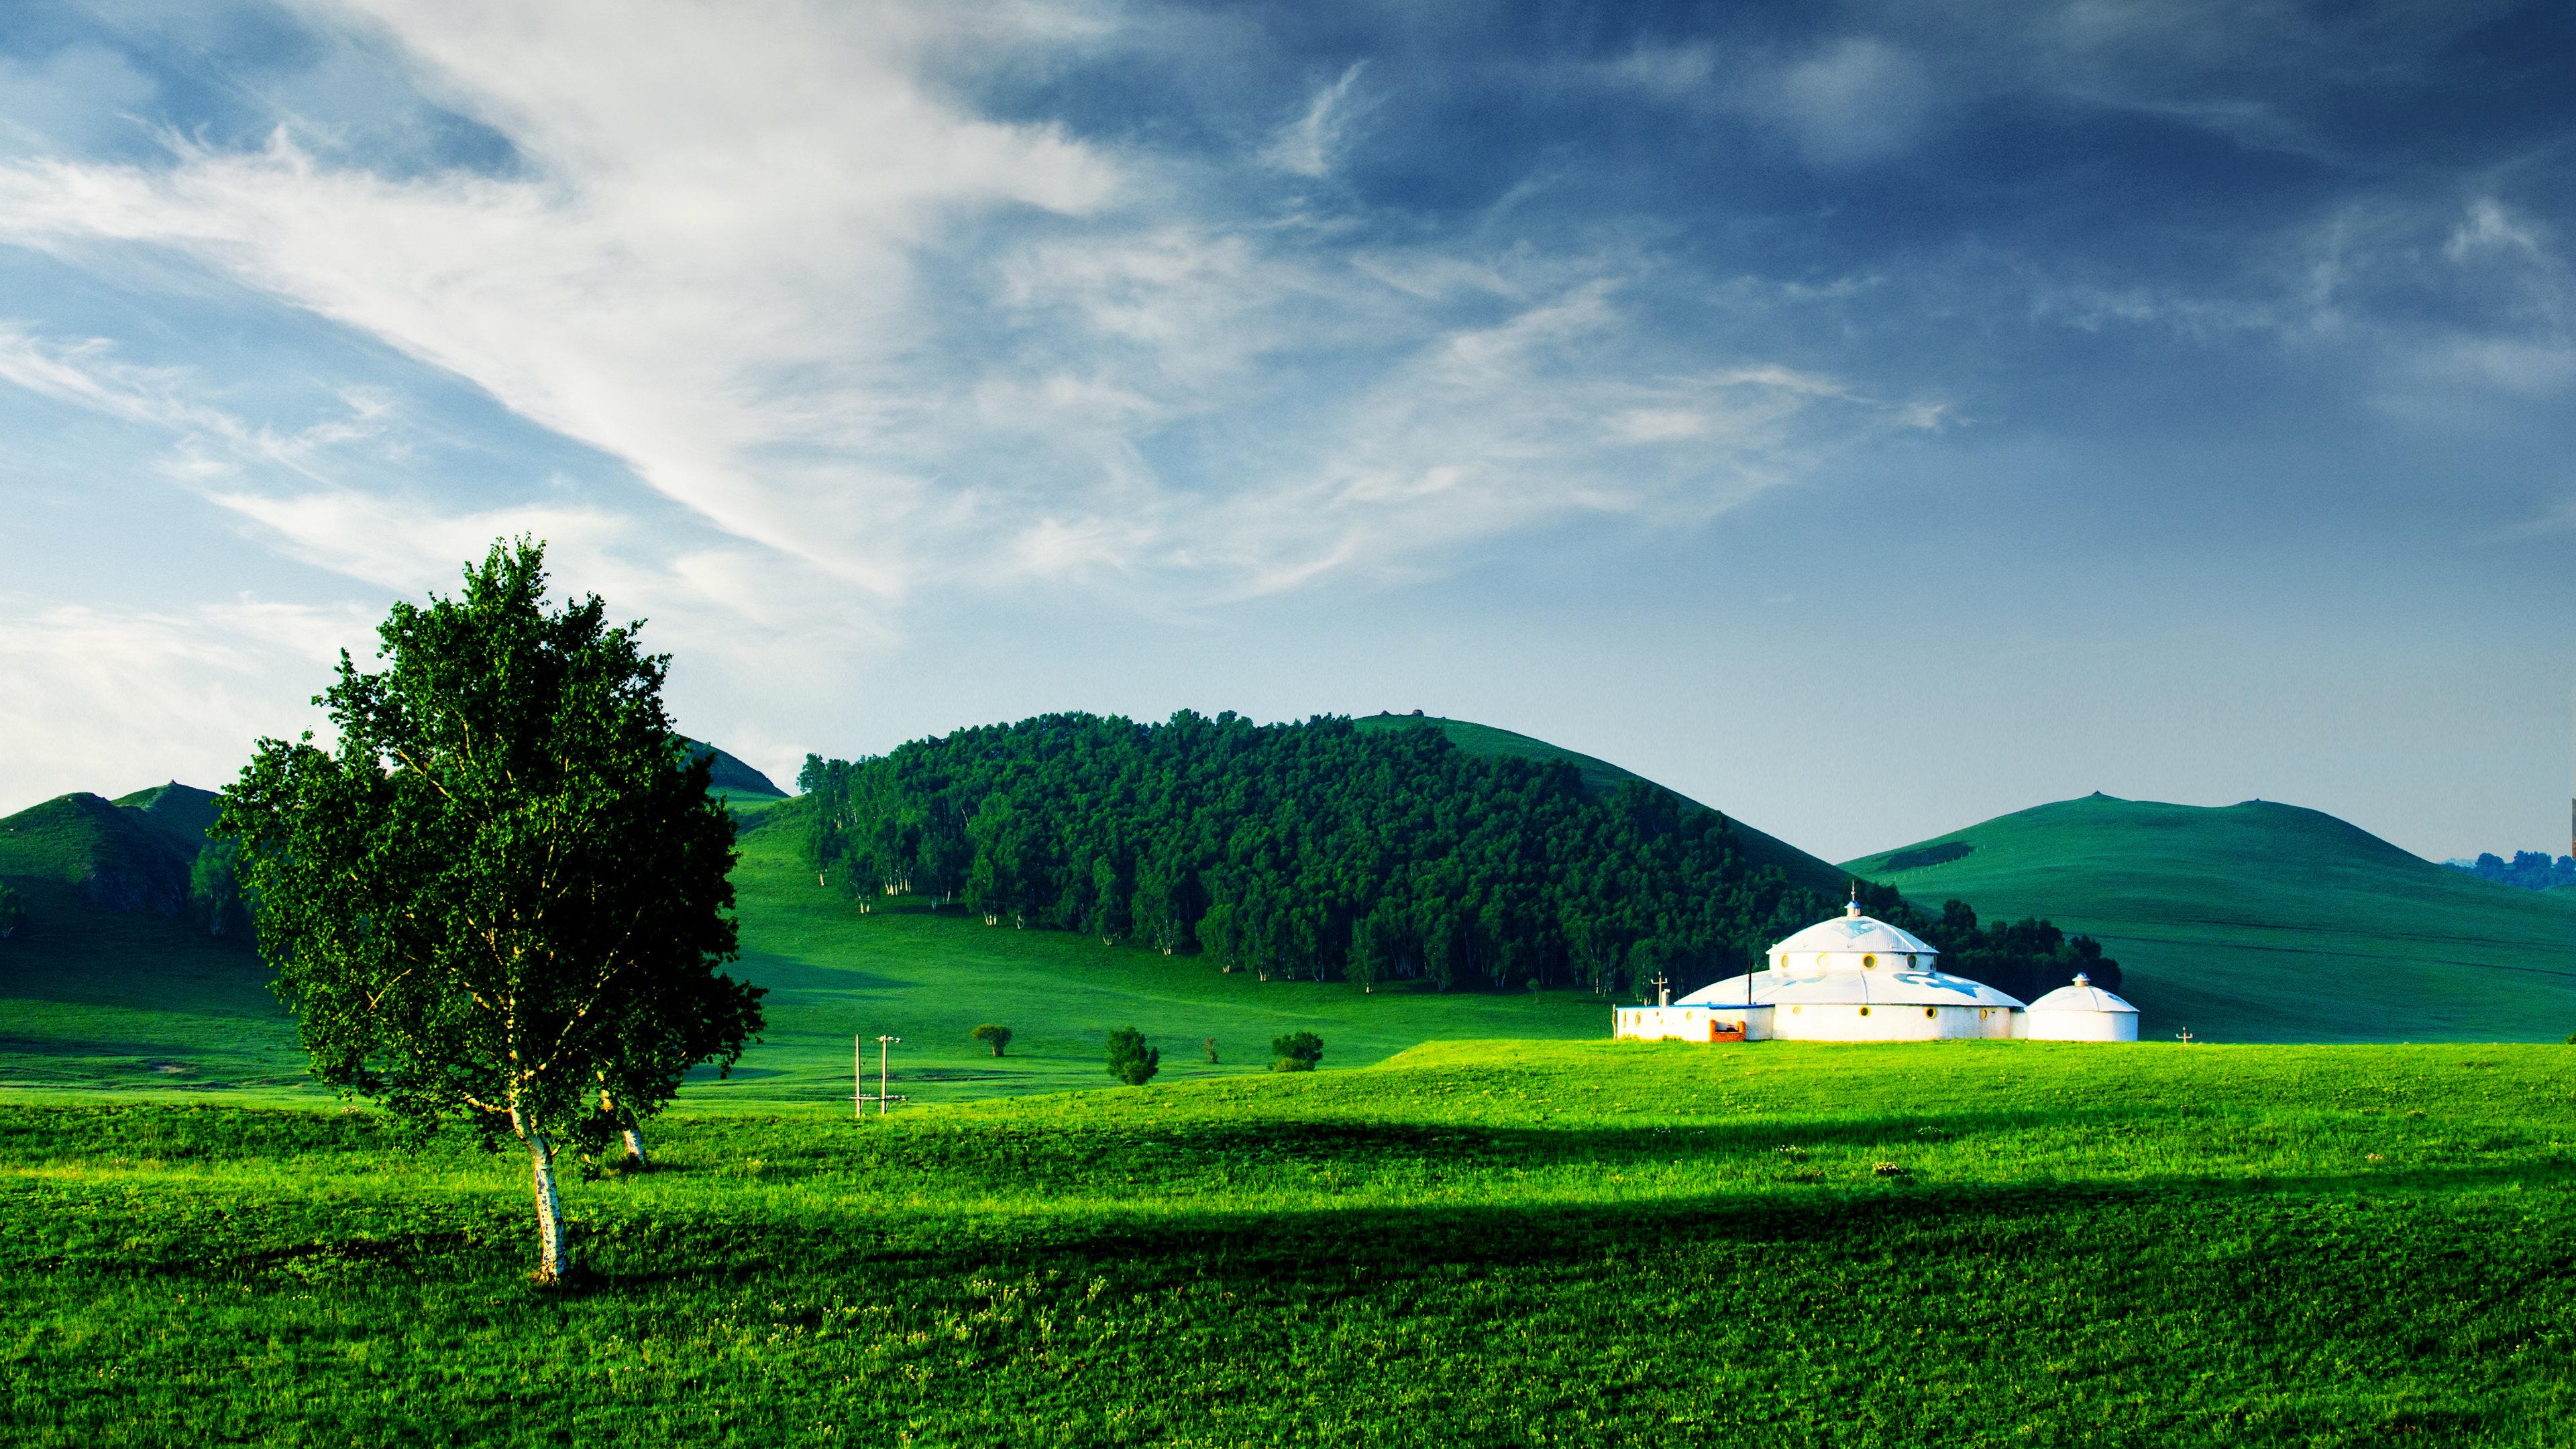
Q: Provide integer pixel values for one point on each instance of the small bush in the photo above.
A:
(996, 1037)
(1302, 1047)
(13, 914)
(1211, 1051)
(1291, 1064)
(1130, 1060)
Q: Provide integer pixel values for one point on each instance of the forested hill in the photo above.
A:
(1314, 850)
(1601, 777)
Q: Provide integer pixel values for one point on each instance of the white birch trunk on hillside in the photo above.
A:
(635, 1158)
(554, 1256)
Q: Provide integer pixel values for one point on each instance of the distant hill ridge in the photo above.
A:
(112, 855)
(2266, 921)
(733, 777)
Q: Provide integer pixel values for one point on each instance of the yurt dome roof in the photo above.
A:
(2082, 996)
(1854, 934)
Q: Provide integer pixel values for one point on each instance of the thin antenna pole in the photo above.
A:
(858, 1076)
(882, 1043)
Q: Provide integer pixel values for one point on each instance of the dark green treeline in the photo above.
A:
(1308, 850)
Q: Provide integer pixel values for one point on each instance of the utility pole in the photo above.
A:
(859, 1097)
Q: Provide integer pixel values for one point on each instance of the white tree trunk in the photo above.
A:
(554, 1257)
(635, 1158)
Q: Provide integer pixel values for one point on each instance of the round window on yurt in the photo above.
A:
(1932, 1011)
(1864, 1011)
(1868, 961)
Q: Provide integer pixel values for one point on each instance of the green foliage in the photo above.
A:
(1302, 1047)
(1313, 851)
(13, 911)
(996, 1037)
(1130, 1060)
(1291, 1064)
(1601, 779)
(502, 895)
(1210, 1047)
(1483, 1243)
(214, 890)
(2026, 958)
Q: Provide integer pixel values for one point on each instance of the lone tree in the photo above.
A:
(996, 1037)
(1298, 1051)
(13, 911)
(501, 895)
(1130, 1060)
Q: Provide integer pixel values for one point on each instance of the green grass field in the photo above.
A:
(2267, 922)
(1488, 1243)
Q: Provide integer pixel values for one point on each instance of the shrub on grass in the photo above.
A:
(1211, 1050)
(13, 914)
(1298, 1051)
(996, 1037)
(1130, 1060)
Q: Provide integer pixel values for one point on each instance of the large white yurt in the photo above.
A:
(1853, 978)
(2081, 1012)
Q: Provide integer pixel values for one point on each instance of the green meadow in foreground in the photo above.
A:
(1480, 1243)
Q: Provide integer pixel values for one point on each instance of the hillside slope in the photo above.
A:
(735, 780)
(1600, 776)
(109, 983)
(95, 1000)
(110, 857)
(2263, 921)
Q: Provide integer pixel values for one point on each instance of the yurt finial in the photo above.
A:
(1851, 908)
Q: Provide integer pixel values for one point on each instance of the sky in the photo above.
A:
(1867, 418)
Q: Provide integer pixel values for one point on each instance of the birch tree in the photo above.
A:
(500, 896)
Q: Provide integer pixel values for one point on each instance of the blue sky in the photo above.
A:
(1867, 418)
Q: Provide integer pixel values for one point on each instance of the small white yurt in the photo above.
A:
(2081, 1012)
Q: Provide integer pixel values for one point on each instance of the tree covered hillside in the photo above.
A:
(1312, 850)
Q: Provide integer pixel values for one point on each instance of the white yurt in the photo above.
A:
(1849, 979)
(2081, 1012)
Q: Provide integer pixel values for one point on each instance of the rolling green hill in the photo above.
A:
(1599, 776)
(110, 856)
(109, 983)
(2264, 921)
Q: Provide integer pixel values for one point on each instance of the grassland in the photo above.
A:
(1494, 1243)
(2268, 922)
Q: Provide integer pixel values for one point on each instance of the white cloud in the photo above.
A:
(1856, 100)
(876, 344)
(187, 691)
(1307, 145)
(2493, 226)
